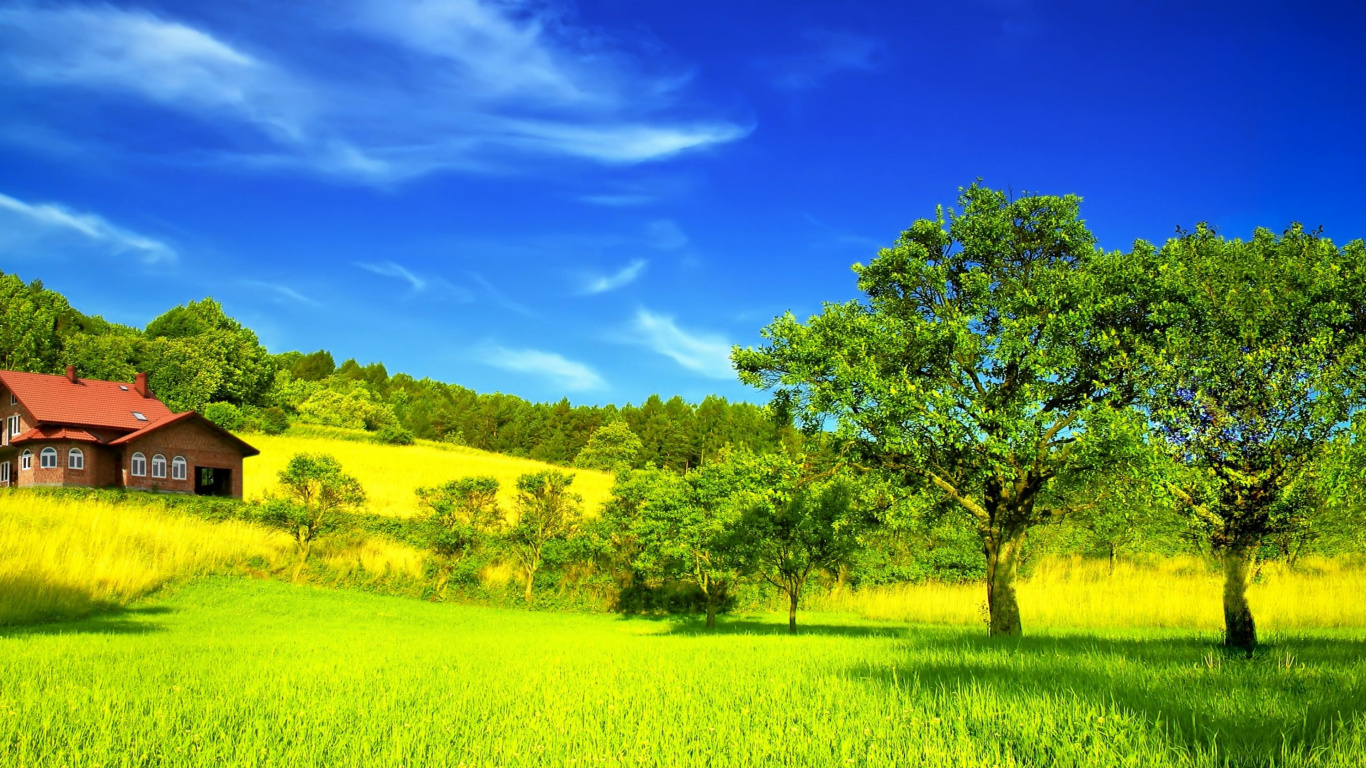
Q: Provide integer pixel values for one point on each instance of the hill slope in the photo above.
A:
(390, 473)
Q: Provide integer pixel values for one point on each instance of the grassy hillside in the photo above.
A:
(63, 558)
(232, 672)
(390, 473)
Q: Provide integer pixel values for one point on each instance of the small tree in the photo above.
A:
(547, 511)
(611, 447)
(790, 529)
(463, 513)
(315, 490)
(687, 526)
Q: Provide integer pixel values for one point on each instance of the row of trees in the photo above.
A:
(199, 358)
(1003, 365)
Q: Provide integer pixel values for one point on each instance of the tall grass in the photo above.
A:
(1182, 592)
(390, 473)
(61, 558)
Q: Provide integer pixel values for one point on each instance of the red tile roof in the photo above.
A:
(56, 432)
(86, 403)
(247, 449)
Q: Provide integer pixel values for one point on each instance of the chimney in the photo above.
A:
(141, 385)
(71, 373)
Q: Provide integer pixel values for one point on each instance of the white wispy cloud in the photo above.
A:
(703, 353)
(594, 284)
(390, 269)
(827, 52)
(38, 221)
(442, 85)
(280, 292)
(550, 366)
(500, 298)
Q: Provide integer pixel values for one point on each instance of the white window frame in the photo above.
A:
(137, 465)
(26, 459)
(48, 454)
(11, 428)
(13, 399)
(75, 459)
(180, 469)
(4, 471)
(159, 467)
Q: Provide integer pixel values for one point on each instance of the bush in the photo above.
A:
(394, 435)
(225, 415)
(273, 421)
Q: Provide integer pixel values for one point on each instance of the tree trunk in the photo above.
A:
(1112, 559)
(792, 612)
(530, 580)
(1240, 631)
(1002, 559)
(711, 610)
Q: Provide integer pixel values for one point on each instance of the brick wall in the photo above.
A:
(199, 445)
(100, 465)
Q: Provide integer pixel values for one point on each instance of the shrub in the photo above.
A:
(273, 421)
(225, 415)
(394, 435)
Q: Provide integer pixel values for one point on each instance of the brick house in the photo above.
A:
(67, 431)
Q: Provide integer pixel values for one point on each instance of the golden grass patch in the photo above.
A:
(391, 473)
(1181, 592)
(61, 557)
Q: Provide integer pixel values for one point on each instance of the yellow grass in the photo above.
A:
(1176, 592)
(390, 473)
(67, 558)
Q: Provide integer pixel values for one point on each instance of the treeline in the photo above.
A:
(198, 358)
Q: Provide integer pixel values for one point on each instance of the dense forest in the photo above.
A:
(200, 359)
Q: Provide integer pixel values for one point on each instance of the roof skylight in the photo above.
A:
(139, 416)
(125, 389)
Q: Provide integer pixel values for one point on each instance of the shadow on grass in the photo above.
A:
(37, 607)
(724, 626)
(1293, 694)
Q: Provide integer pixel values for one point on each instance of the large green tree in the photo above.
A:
(1257, 366)
(986, 359)
(547, 511)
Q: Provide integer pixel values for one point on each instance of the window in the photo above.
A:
(4, 472)
(75, 459)
(26, 460)
(12, 399)
(159, 466)
(139, 465)
(178, 468)
(13, 428)
(139, 416)
(48, 458)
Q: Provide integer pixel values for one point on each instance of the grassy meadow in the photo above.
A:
(236, 672)
(390, 473)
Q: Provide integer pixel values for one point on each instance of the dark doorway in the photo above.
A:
(212, 481)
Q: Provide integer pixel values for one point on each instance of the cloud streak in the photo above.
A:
(390, 269)
(440, 85)
(827, 53)
(49, 219)
(702, 353)
(549, 366)
(595, 284)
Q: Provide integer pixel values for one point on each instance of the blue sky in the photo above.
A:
(595, 200)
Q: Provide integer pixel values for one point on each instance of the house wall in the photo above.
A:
(101, 465)
(6, 410)
(201, 447)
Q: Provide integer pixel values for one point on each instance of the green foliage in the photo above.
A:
(315, 489)
(272, 421)
(195, 354)
(547, 511)
(611, 447)
(463, 514)
(355, 408)
(226, 415)
(989, 347)
(393, 434)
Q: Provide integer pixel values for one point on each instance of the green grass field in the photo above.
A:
(237, 672)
